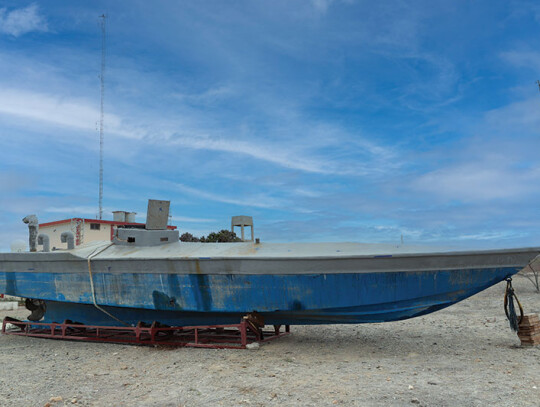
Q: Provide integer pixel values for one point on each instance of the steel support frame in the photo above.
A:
(230, 336)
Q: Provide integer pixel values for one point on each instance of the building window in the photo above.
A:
(94, 226)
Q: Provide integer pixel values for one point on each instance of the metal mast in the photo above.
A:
(102, 81)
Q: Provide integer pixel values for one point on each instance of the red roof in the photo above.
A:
(106, 222)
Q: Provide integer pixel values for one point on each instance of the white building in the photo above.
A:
(88, 230)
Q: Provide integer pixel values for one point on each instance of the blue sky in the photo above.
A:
(324, 120)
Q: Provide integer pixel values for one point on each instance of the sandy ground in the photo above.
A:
(462, 356)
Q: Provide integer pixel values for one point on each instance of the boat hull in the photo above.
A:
(204, 283)
(291, 299)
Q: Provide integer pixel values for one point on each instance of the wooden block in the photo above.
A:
(530, 319)
(529, 331)
(529, 340)
(535, 338)
(530, 343)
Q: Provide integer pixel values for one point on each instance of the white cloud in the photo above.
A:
(11, 232)
(306, 192)
(21, 21)
(191, 220)
(280, 156)
(521, 116)
(527, 59)
(81, 114)
(479, 181)
(498, 163)
(73, 210)
(257, 201)
(490, 235)
(208, 96)
(48, 108)
(58, 110)
(321, 5)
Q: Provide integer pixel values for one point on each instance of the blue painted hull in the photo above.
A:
(196, 299)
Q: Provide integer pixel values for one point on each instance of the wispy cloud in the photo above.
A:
(322, 5)
(525, 59)
(517, 116)
(21, 21)
(206, 97)
(191, 220)
(480, 181)
(489, 235)
(75, 210)
(81, 114)
(282, 156)
(257, 201)
(54, 109)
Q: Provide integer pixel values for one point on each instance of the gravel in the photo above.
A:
(464, 355)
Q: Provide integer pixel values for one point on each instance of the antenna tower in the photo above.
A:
(102, 83)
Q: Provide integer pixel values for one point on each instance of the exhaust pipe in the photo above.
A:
(33, 225)
(68, 237)
(43, 239)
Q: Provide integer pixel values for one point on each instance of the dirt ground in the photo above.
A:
(465, 355)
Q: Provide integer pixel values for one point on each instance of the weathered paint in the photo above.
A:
(282, 299)
(218, 283)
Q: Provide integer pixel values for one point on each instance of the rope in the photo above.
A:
(93, 254)
(509, 308)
